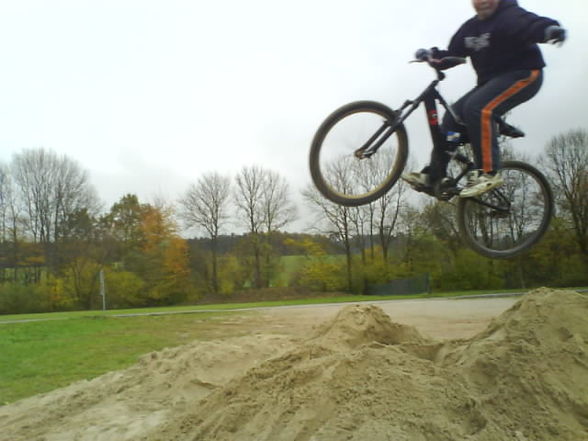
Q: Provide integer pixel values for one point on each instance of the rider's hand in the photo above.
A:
(423, 54)
(555, 34)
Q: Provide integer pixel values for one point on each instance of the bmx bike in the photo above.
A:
(361, 149)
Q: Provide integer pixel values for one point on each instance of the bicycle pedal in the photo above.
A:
(445, 189)
(444, 196)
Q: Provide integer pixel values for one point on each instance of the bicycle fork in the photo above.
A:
(372, 145)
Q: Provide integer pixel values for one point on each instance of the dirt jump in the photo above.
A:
(501, 369)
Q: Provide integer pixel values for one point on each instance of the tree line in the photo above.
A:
(55, 237)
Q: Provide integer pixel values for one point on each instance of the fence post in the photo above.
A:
(102, 289)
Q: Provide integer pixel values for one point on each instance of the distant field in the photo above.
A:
(289, 265)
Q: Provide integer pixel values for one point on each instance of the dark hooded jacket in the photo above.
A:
(504, 42)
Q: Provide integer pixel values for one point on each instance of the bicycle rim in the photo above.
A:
(511, 218)
(336, 170)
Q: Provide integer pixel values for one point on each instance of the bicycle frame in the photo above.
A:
(430, 96)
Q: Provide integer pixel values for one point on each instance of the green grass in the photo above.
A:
(37, 357)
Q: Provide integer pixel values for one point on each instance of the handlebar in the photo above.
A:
(442, 63)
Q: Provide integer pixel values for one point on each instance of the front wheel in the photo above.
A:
(338, 166)
(510, 219)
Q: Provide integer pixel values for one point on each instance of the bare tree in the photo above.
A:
(33, 171)
(263, 206)
(205, 206)
(339, 224)
(442, 222)
(8, 224)
(248, 196)
(51, 189)
(381, 216)
(278, 212)
(389, 206)
(277, 206)
(73, 193)
(248, 199)
(566, 159)
(341, 221)
(5, 196)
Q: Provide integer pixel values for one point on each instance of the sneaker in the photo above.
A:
(416, 179)
(479, 183)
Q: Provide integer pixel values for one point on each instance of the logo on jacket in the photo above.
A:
(478, 43)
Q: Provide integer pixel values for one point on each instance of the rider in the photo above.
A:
(501, 41)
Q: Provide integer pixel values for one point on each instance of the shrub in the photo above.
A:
(17, 299)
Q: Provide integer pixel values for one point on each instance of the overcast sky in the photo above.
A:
(147, 95)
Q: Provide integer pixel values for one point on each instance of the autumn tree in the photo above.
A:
(145, 241)
(121, 228)
(163, 259)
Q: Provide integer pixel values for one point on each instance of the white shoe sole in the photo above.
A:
(478, 190)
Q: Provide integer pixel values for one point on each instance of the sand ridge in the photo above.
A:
(357, 376)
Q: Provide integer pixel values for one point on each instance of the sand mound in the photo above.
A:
(356, 325)
(362, 377)
(357, 377)
(122, 405)
(529, 369)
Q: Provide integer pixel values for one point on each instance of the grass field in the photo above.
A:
(40, 356)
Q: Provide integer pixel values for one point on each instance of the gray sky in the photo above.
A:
(147, 95)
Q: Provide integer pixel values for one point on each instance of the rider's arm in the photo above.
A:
(456, 46)
(528, 27)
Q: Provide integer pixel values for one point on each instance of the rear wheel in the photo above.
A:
(510, 219)
(338, 168)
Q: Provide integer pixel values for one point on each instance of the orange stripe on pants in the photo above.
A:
(487, 121)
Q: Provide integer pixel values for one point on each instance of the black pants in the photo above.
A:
(478, 110)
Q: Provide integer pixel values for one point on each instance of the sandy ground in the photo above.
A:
(437, 318)
(484, 369)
